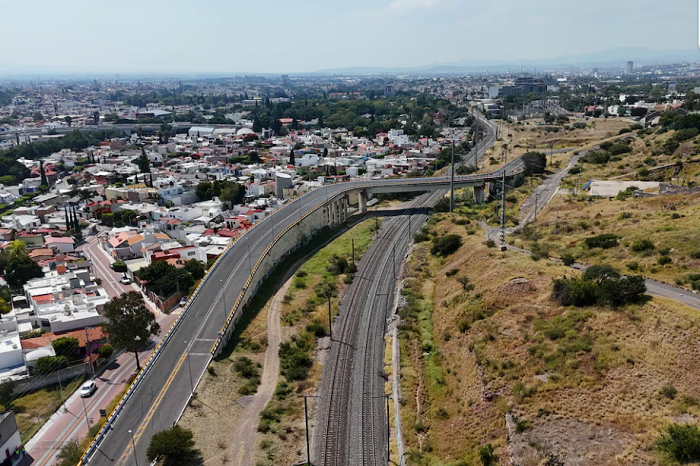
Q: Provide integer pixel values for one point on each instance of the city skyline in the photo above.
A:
(77, 37)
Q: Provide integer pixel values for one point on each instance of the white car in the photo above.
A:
(183, 301)
(88, 389)
(125, 281)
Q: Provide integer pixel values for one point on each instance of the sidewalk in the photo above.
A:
(69, 422)
(110, 279)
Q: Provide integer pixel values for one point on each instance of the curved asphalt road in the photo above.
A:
(158, 401)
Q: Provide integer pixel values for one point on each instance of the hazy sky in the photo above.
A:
(261, 36)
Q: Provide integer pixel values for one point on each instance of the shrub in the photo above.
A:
(299, 283)
(686, 133)
(619, 149)
(670, 146)
(451, 272)
(624, 130)
(174, 447)
(490, 243)
(603, 241)
(119, 266)
(105, 351)
(294, 357)
(338, 265)
(48, 364)
(681, 442)
(664, 260)
(65, 346)
(596, 157)
(422, 235)
(522, 425)
(600, 284)
(568, 259)
(487, 455)
(695, 255)
(442, 205)
(642, 245)
(246, 368)
(302, 273)
(669, 391)
(633, 266)
(446, 245)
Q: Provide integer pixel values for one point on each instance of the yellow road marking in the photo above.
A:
(59, 444)
(139, 432)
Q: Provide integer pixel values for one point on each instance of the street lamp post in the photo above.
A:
(133, 444)
(223, 295)
(87, 421)
(189, 367)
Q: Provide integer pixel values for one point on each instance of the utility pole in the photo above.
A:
(330, 319)
(60, 389)
(578, 190)
(551, 154)
(503, 214)
(223, 295)
(388, 432)
(250, 264)
(306, 423)
(87, 347)
(189, 367)
(353, 251)
(452, 179)
(87, 421)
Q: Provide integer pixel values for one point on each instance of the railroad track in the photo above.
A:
(351, 410)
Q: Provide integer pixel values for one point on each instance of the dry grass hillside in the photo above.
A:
(483, 342)
(658, 237)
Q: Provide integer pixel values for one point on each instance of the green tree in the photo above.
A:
(195, 268)
(232, 193)
(20, 269)
(44, 180)
(68, 119)
(7, 388)
(681, 442)
(291, 157)
(48, 364)
(174, 447)
(105, 351)
(70, 453)
(535, 163)
(143, 163)
(129, 322)
(37, 116)
(65, 346)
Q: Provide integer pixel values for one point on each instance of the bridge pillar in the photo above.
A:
(362, 197)
(478, 194)
(346, 201)
(332, 207)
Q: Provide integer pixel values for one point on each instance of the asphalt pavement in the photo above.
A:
(165, 390)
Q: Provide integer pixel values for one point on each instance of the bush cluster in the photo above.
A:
(446, 245)
(295, 357)
(604, 241)
(600, 284)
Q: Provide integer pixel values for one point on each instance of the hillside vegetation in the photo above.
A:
(493, 367)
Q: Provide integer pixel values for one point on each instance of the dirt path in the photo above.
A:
(244, 437)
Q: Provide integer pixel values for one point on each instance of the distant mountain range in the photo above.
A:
(607, 59)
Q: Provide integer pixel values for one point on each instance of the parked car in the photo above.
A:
(183, 301)
(88, 388)
(125, 280)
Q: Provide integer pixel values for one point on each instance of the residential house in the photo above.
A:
(10, 441)
(63, 244)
